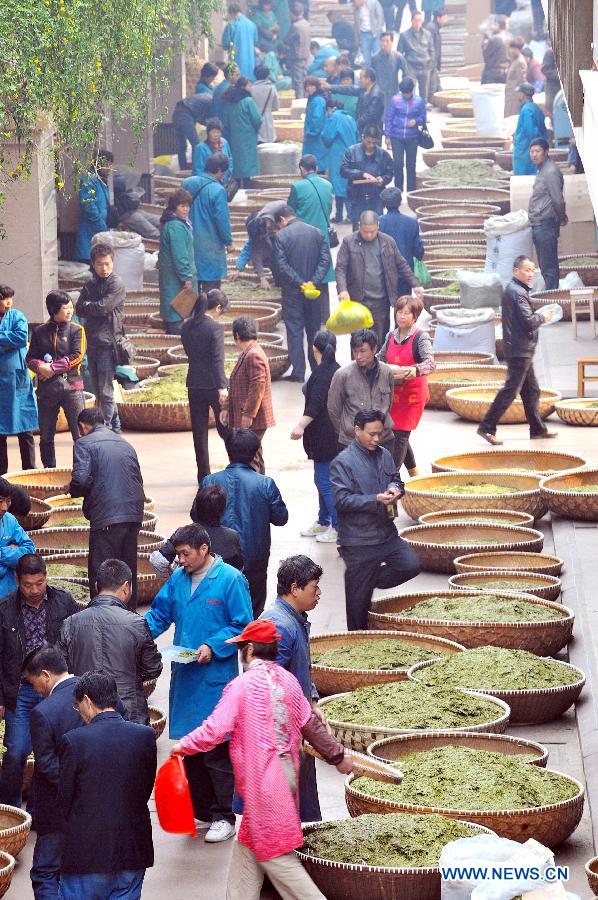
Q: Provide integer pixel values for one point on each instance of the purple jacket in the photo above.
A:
(399, 111)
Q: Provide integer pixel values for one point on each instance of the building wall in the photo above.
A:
(570, 23)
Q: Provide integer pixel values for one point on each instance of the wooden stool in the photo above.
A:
(582, 378)
(582, 300)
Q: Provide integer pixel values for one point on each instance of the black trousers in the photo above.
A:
(49, 404)
(521, 379)
(383, 566)
(402, 453)
(211, 784)
(26, 448)
(114, 542)
(257, 576)
(200, 403)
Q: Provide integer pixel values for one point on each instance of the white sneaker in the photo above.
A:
(327, 537)
(201, 825)
(219, 831)
(314, 529)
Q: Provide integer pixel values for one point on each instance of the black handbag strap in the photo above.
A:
(319, 198)
(267, 101)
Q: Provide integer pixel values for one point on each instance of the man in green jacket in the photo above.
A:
(311, 199)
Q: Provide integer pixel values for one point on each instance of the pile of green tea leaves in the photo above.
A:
(454, 777)
(386, 653)
(408, 705)
(467, 251)
(77, 591)
(583, 404)
(394, 840)
(77, 522)
(453, 289)
(168, 389)
(243, 290)
(496, 668)
(508, 584)
(66, 570)
(580, 261)
(476, 487)
(464, 173)
(482, 608)
(454, 378)
(584, 489)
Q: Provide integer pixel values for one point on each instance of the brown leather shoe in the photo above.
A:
(491, 438)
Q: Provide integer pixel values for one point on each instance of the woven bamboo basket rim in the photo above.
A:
(167, 340)
(84, 529)
(417, 596)
(465, 353)
(547, 484)
(7, 864)
(149, 686)
(351, 637)
(458, 237)
(38, 477)
(573, 414)
(427, 194)
(577, 403)
(387, 730)
(484, 475)
(80, 559)
(547, 558)
(560, 295)
(273, 350)
(477, 515)
(63, 513)
(443, 463)
(546, 809)
(447, 737)
(433, 157)
(460, 580)
(464, 368)
(521, 535)
(546, 394)
(512, 693)
(22, 826)
(53, 500)
(363, 867)
(591, 869)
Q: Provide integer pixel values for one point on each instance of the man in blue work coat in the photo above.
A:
(94, 205)
(210, 218)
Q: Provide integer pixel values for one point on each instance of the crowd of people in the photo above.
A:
(62, 667)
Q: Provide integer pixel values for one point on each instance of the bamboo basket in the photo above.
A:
(155, 346)
(436, 253)
(564, 494)
(441, 99)
(460, 141)
(445, 377)
(61, 501)
(465, 209)
(145, 366)
(492, 516)
(463, 357)
(577, 412)
(139, 312)
(62, 516)
(457, 236)
(42, 483)
(7, 864)
(587, 273)
(149, 686)
(551, 825)
(461, 109)
(392, 750)
(510, 561)
(50, 541)
(456, 195)
(15, 825)
(562, 296)
(37, 516)
(422, 495)
(359, 737)
(433, 157)
(433, 297)
(437, 546)
(439, 222)
(591, 868)
(278, 356)
(148, 580)
(472, 404)
(174, 416)
(528, 707)
(540, 462)
(157, 719)
(336, 680)
(542, 638)
(546, 587)
(353, 881)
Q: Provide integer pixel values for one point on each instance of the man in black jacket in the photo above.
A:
(520, 326)
(368, 169)
(301, 255)
(107, 773)
(29, 617)
(108, 637)
(101, 304)
(366, 488)
(417, 47)
(106, 474)
(370, 104)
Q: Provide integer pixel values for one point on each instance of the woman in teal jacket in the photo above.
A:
(339, 133)
(214, 143)
(315, 119)
(242, 121)
(176, 259)
(18, 409)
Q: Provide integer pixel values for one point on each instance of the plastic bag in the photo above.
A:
(571, 281)
(420, 270)
(173, 798)
(349, 316)
(480, 289)
(461, 316)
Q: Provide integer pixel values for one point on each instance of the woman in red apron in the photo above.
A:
(408, 346)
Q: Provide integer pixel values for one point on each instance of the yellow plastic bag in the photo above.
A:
(349, 316)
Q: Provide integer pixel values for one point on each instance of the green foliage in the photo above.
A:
(76, 61)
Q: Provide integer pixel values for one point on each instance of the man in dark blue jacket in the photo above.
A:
(106, 474)
(366, 487)
(107, 773)
(405, 231)
(253, 504)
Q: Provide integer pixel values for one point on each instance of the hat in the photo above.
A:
(527, 89)
(263, 631)
(391, 197)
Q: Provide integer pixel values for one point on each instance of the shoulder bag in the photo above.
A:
(332, 232)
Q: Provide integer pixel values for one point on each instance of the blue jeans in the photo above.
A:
(125, 885)
(102, 367)
(45, 871)
(404, 155)
(369, 45)
(327, 512)
(17, 740)
(546, 240)
(300, 315)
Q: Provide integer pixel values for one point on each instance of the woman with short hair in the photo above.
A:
(176, 257)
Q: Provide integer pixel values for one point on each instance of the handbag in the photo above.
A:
(424, 138)
(124, 349)
(333, 239)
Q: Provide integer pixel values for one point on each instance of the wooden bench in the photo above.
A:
(582, 378)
